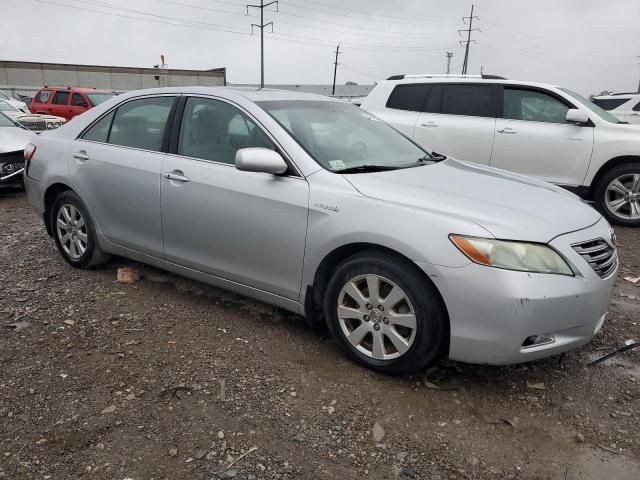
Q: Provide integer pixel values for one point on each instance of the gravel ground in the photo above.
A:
(82, 381)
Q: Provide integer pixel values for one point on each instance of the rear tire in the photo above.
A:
(617, 195)
(397, 331)
(74, 232)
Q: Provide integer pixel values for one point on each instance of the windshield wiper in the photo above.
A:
(367, 168)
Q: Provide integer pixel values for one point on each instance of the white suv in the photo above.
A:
(625, 106)
(539, 130)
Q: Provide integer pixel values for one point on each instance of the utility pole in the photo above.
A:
(449, 56)
(468, 41)
(262, 6)
(335, 70)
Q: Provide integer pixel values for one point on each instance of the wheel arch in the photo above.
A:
(314, 293)
(50, 196)
(607, 167)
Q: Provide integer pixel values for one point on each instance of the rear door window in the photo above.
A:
(43, 96)
(99, 131)
(637, 107)
(469, 99)
(141, 123)
(61, 98)
(410, 96)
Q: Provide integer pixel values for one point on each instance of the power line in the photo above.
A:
(465, 64)
(262, 25)
(373, 77)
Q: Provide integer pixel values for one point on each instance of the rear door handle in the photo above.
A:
(429, 124)
(506, 130)
(81, 155)
(176, 175)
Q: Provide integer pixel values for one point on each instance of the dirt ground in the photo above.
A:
(82, 382)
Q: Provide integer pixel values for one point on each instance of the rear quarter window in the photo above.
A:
(410, 96)
(43, 96)
(610, 103)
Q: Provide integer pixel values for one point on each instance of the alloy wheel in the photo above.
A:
(376, 317)
(72, 231)
(622, 196)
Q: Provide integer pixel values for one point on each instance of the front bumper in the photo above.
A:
(492, 311)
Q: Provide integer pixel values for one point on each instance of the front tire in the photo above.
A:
(385, 315)
(74, 232)
(617, 195)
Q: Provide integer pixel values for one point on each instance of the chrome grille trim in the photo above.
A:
(599, 254)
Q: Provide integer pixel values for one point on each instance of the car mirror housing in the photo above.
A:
(260, 160)
(575, 115)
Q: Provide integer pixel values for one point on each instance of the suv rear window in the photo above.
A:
(43, 96)
(409, 96)
(468, 99)
(609, 103)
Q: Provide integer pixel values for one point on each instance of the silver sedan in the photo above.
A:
(320, 208)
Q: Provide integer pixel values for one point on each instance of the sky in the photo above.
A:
(586, 45)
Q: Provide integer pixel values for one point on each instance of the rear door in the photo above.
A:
(533, 137)
(459, 120)
(116, 165)
(60, 104)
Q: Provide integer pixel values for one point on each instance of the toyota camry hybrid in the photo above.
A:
(318, 207)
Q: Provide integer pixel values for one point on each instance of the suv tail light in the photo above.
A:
(29, 151)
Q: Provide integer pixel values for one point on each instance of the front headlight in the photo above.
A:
(49, 125)
(521, 256)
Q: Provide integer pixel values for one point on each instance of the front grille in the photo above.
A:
(599, 254)
(34, 124)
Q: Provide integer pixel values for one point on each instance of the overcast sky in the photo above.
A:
(586, 45)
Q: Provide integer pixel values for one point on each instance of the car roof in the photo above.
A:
(76, 89)
(463, 79)
(251, 93)
(621, 96)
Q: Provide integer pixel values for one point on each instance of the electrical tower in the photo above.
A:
(335, 70)
(449, 57)
(468, 41)
(262, 25)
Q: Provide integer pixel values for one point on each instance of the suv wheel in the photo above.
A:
(384, 314)
(74, 232)
(618, 195)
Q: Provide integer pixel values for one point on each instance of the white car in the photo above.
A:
(546, 132)
(36, 122)
(625, 106)
(14, 103)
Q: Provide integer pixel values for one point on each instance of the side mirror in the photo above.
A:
(575, 115)
(260, 160)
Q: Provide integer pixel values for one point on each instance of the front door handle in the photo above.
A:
(429, 124)
(81, 155)
(506, 130)
(176, 175)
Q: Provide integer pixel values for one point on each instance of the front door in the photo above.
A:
(245, 227)
(116, 167)
(533, 138)
(459, 121)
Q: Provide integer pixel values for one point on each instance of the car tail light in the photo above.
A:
(29, 151)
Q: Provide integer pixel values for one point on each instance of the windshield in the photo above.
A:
(601, 112)
(340, 136)
(98, 98)
(6, 121)
(5, 107)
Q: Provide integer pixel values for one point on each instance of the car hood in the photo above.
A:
(17, 116)
(509, 206)
(13, 139)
